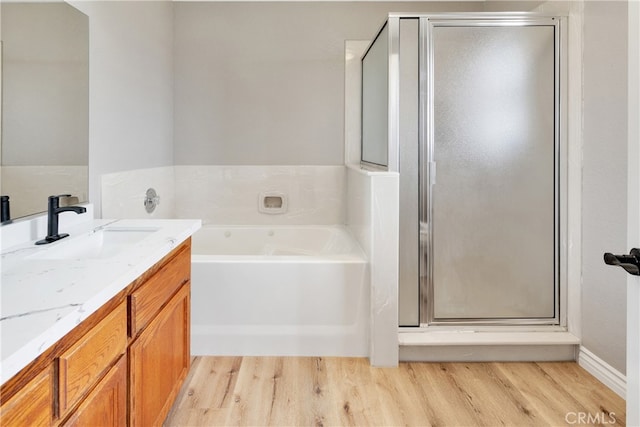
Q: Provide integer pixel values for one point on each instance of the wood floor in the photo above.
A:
(314, 391)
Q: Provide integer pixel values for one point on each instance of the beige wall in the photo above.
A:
(263, 83)
(604, 208)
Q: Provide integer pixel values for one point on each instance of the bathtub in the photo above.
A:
(278, 291)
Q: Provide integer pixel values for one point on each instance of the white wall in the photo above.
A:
(263, 82)
(604, 209)
(131, 87)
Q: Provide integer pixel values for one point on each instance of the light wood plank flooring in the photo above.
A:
(319, 391)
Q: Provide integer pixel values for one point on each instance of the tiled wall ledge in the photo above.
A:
(123, 193)
(230, 194)
(30, 186)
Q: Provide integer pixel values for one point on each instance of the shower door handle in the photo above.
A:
(631, 262)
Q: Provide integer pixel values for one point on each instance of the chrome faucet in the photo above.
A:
(52, 218)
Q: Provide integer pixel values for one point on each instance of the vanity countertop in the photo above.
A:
(44, 299)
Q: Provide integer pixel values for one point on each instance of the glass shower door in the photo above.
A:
(490, 173)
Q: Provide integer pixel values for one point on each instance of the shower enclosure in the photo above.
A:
(468, 109)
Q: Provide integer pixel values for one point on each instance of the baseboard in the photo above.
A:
(604, 372)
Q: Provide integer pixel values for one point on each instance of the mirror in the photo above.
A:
(375, 101)
(45, 104)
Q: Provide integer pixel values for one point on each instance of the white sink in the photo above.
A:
(105, 243)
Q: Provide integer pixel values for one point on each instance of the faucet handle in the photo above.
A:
(54, 201)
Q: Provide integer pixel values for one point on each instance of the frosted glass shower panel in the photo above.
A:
(375, 100)
(494, 195)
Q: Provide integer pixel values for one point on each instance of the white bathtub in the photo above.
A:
(282, 290)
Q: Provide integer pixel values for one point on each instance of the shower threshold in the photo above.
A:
(481, 344)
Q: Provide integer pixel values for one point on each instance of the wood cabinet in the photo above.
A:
(124, 365)
(33, 406)
(159, 356)
(159, 361)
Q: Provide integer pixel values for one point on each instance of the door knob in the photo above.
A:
(631, 262)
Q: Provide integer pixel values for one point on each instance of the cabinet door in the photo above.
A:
(106, 405)
(89, 358)
(159, 362)
(32, 406)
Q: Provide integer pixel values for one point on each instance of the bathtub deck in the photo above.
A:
(305, 391)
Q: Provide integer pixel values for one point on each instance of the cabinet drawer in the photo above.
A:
(106, 405)
(147, 300)
(32, 406)
(90, 357)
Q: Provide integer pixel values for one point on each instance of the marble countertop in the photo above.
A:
(44, 299)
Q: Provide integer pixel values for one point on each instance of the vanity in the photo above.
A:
(96, 327)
